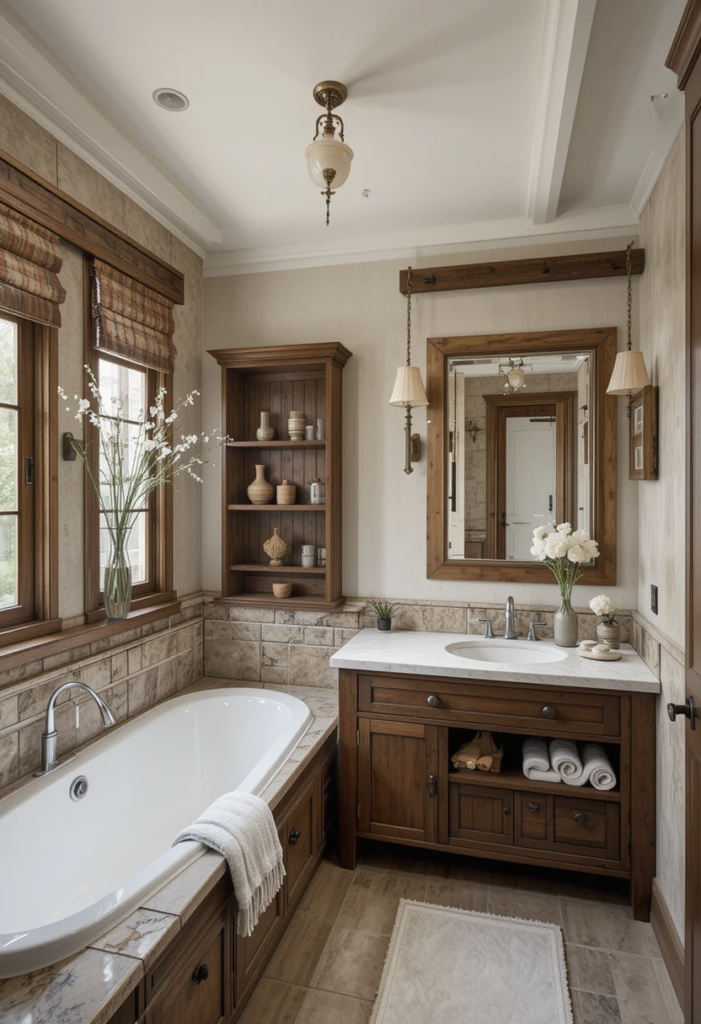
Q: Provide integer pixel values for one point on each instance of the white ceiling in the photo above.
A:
(471, 120)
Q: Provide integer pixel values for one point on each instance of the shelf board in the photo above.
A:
(312, 604)
(252, 567)
(276, 444)
(513, 778)
(276, 508)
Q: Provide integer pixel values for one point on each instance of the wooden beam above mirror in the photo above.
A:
(580, 267)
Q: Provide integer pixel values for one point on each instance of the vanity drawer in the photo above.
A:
(588, 827)
(502, 707)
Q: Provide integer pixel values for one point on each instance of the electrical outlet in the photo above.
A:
(653, 598)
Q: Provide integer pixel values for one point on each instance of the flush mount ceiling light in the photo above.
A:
(514, 373)
(328, 156)
(629, 371)
(171, 99)
(409, 389)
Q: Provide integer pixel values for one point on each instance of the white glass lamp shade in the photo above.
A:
(408, 388)
(516, 378)
(629, 374)
(328, 153)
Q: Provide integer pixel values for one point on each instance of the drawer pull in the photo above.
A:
(294, 836)
(432, 785)
(580, 817)
(507, 810)
(200, 974)
(533, 806)
(433, 701)
(549, 711)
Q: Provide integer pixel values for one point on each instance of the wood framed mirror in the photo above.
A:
(521, 433)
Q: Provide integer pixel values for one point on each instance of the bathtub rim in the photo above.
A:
(172, 861)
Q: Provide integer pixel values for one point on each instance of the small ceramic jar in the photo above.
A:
(295, 425)
(308, 556)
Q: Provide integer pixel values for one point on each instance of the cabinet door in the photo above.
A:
(480, 814)
(252, 951)
(398, 780)
(199, 991)
(300, 840)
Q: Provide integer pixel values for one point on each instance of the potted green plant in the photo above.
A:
(384, 610)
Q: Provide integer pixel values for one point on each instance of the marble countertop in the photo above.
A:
(418, 653)
(89, 987)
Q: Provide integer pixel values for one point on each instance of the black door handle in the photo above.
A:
(688, 710)
(432, 785)
(294, 836)
(200, 974)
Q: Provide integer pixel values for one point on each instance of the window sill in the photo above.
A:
(17, 652)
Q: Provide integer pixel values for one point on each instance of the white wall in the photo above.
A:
(384, 511)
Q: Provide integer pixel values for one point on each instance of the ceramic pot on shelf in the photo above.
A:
(286, 493)
(295, 425)
(609, 634)
(265, 432)
(276, 548)
(260, 492)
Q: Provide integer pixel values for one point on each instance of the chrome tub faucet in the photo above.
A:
(49, 737)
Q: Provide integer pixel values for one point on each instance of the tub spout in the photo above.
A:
(49, 737)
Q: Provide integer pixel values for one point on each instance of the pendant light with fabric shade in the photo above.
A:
(409, 390)
(629, 371)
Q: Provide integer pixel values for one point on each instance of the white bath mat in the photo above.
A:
(447, 966)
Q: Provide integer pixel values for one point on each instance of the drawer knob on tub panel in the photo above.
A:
(200, 974)
(294, 836)
(580, 818)
(433, 701)
(549, 711)
(533, 806)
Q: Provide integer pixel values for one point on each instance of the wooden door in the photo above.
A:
(683, 59)
(398, 780)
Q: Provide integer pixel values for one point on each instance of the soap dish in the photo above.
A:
(597, 652)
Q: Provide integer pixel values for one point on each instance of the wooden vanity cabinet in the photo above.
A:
(207, 973)
(397, 783)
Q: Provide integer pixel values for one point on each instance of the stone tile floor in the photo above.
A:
(328, 965)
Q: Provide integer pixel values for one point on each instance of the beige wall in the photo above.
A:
(384, 511)
(662, 503)
(26, 141)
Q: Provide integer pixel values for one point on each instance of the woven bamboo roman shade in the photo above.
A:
(131, 320)
(30, 260)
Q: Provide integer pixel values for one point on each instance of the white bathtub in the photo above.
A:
(71, 870)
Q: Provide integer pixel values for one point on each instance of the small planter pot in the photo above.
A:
(384, 624)
(609, 634)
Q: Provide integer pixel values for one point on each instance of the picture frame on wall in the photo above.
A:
(643, 450)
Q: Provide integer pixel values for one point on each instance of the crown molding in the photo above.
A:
(672, 125)
(589, 224)
(34, 80)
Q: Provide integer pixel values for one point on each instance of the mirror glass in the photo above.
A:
(519, 431)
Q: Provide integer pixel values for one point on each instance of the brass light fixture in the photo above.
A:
(515, 374)
(409, 389)
(328, 156)
(629, 371)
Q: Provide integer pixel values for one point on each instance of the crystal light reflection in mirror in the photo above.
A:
(520, 432)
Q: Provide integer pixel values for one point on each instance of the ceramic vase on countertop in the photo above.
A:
(566, 625)
(260, 492)
(609, 634)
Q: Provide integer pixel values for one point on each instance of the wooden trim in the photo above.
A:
(37, 198)
(686, 45)
(642, 811)
(276, 356)
(543, 270)
(601, 344)
(15, 654)
(668, 938)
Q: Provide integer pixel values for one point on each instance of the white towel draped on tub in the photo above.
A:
(241, 827)
(536, 763)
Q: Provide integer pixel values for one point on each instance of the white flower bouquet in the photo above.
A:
(564, 550)
(602, 606)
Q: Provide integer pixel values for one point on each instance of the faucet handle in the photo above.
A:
(532, 635)
(488, 631)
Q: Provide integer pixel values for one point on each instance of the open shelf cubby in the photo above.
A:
(279, 379)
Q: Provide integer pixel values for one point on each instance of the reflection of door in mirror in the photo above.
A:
(456, 467)
(530, 480)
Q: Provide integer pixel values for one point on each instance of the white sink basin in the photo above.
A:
(506, 652)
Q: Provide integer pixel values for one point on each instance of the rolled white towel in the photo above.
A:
(565, 759)
(536, 763)
(598, 767)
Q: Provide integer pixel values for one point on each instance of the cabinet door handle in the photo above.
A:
(507, 810)
(549, 711)
(200, 974)
(532, 806)
(294, 836)
(433, 701)
(580, 818)
(432, 785)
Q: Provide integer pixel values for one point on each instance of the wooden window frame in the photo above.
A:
(37, 613)
(159, 587)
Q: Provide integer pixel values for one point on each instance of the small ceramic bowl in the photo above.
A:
(282, 589)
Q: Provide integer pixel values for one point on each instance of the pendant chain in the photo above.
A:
(408, 317)
(629, 268)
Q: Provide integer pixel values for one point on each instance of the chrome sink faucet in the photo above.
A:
(49, 738)
(510, 631)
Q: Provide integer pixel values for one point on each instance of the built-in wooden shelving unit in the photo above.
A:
(280, 379)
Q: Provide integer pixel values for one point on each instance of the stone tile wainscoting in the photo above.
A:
(132, 671)
(294, 647)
